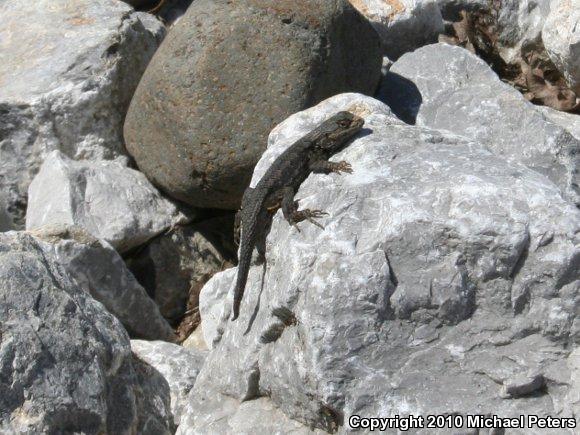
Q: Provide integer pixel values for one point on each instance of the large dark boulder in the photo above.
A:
(227, 74)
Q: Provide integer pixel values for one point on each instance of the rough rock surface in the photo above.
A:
(561, 37)
(68, 71)
(199, 120)
(403, 25)
(569, 121)
(174, 264)
(179, 366)
(214, 413)
(443, 271)
(446, 87)
(107, 199)
(100, 271)
(66, 363)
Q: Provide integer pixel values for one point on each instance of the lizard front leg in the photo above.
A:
(293, 215)
(326, 167)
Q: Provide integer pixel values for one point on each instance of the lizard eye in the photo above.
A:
(344, 123)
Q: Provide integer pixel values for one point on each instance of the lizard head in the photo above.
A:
(339, 129)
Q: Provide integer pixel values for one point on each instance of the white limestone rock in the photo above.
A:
(179, 366)
(403, 25)
(568, 121)
(213, 413)
(443, 271)
(107, 199)
(447, 88)
(561, 37)
(69, 69)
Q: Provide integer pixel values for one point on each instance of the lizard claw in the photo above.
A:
(315, 223)
(342, 167)
(307, 215)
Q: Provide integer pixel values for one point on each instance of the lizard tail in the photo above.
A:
(243, 270)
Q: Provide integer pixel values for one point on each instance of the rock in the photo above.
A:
(215, 413)
(199, 121)
(69, 70)
(179, 366)
(573, 399)
(446, 87)
(443, 271)
(66, 362)
(108, 200)
(403, 25)
(195, 340)
(175, 264)
(568, 121)
(153, 399)
(100, 271)
(561, 37)
(153, 25)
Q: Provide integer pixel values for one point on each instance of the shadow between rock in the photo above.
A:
(402, 96)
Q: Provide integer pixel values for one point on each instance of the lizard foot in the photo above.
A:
(308, 215)
(341, 167)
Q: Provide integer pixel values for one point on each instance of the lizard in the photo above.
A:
(277, 187)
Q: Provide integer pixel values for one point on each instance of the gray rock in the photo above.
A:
(573, 365)
(446, 87)
(175, 264)
(153, 397)
(179, 366)
(107, 199)
(226, 74)
(99, 270)
(68, 71)
(443, 271)
(561, 37)
(214, 413)
(403, 25)
(569, 121)
(66, 363)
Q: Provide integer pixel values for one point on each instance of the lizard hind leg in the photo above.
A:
(293, 215)
(328, 167)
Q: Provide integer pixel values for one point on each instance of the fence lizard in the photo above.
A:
(276, 189)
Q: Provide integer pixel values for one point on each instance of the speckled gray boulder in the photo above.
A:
(69, 69)
(66, 365)
(227, 73)
(107, 199)
(179, 367)
(100, 271)
(446, 87)
(443, 271)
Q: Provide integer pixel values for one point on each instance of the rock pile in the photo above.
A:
(445, 278)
